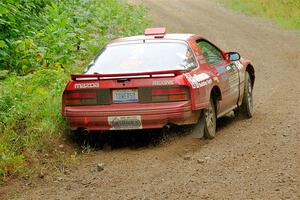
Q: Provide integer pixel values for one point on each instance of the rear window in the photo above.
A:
(142, 57)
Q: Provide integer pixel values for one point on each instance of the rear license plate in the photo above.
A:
(123, 96)
(125, 122)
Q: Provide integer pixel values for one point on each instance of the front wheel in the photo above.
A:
(246, 108)
(210, 120)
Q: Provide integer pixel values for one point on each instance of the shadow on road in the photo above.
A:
(226, 121)
(130, 139)
(140, 138)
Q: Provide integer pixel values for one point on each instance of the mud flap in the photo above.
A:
(198, 129)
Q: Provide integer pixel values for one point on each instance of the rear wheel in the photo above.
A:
(210, 120)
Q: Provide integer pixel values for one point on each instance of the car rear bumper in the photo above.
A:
(150, 115)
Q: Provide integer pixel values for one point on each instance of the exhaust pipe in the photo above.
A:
(166, 128)
(85, 131)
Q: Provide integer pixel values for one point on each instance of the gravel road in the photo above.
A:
(249, 159)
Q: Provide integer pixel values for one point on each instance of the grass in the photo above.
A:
(33, 135)
(30, 120)
(285, 12)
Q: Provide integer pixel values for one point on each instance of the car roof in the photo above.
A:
(170, 36)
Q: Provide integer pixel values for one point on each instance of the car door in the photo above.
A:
(227, 73)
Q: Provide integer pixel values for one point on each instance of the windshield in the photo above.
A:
(142, 57)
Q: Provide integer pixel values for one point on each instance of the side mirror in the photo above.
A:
(233, 56)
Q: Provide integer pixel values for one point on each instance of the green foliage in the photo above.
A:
(29, 116)
(284, 12)
(40, 39)
(18, 21)
(53, 34)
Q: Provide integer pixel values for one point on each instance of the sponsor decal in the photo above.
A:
(241, 73)
(86, 85)
(224, 78)
(234, 82)
(239, 65)
(163, 82)
(205, 83)
(229, 68)
(199, 80)
(233, 77)
(192, 81)
(221, 69)
(201, 77)
(125, 122)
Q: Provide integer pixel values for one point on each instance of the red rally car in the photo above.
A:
(158, 79)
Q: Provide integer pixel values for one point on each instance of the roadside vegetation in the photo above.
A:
(284, 12)
(41, 44)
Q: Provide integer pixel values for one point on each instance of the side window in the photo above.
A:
(188, 61)
(210, 52)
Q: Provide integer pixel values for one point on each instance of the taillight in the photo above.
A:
(170, 94)
(80, 95)
(80, 98)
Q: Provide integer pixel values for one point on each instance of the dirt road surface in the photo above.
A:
(249, 159)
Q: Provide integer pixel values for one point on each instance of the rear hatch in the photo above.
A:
(138, 88)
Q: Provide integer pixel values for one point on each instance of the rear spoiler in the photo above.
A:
(166, 73)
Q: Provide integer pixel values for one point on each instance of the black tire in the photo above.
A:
(247, 109)
(210, 120)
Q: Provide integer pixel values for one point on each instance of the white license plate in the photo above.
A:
(125, 122)
(123, 96)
